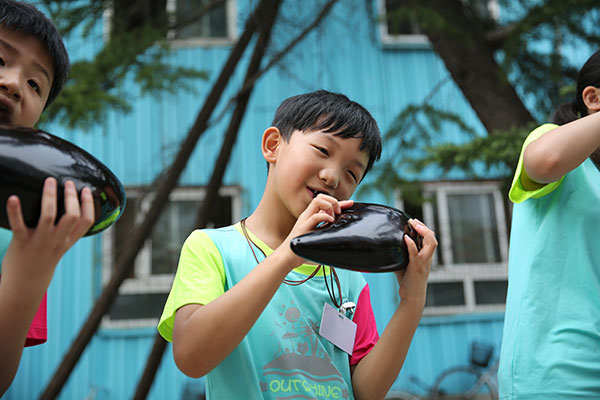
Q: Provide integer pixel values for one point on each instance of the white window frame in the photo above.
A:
(469, 273)
(144, 282)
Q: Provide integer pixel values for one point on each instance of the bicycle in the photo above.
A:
(475, 381)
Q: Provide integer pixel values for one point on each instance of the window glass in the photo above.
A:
(491, 292)
(473, 228)
(138, 306)
(131, 15)
(397, 21)
(211, 25)
(445, 294)
(174, 225)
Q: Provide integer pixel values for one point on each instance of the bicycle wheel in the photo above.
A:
(462, 383)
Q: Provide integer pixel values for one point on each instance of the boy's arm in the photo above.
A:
(204, 335)
(29, 264)
(373, 376)
(562, 149)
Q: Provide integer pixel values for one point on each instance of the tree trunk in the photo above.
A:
(472, 65)
(267, 18)
(152, 364)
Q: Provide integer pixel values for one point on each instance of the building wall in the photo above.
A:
(343, 55)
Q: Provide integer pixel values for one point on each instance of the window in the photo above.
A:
(143, 294)
(194, 22)
(215, 27)
(473, 231)
(469, 272)
(398, 27)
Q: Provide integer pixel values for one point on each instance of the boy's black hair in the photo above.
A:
(28, 20)
(329, 112)
(589, 75)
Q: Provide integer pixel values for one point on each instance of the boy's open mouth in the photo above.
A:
(5, 115)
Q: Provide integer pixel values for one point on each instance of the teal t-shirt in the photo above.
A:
(551, 339)
(283, 355)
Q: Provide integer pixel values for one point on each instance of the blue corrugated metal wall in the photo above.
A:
(343, 55)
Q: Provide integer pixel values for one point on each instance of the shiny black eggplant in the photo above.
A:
(364, 237)
(28, 156)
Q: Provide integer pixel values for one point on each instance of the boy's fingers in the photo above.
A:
(322, 203)
(337, 205)
(346, 203)
(411, 247)
(15, 216)
(48, 211)
(318, 218)
(429, 240)
(87, 215)
(72, 212)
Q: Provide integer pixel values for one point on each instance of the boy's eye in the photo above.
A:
(322, 150)
(34, 85)
(353, 176)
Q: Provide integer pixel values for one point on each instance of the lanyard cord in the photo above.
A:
(332, 291)
(332, 272)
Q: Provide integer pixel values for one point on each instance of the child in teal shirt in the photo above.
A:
(244, 309)
(551, 340)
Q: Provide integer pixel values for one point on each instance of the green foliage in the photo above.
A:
(534, 48)
(413, 142)
(130, 64)
(530, 41)
(535, 34)
(498, 152)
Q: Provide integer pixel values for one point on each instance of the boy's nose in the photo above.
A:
(9, 84)
(330, 177)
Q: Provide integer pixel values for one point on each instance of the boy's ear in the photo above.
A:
(271, 141)
(591, 98)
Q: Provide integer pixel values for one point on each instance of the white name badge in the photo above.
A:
(338, 329)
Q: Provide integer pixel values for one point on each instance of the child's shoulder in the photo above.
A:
(223, 231)
(224, 238)
(210, 232)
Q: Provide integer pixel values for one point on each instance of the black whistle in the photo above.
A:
(364, 237)
(29, 156)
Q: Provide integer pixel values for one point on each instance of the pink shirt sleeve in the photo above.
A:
(366, 330)
(37, 333)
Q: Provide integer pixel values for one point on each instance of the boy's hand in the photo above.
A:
(38, 250)
(322, 208)
(413, 280)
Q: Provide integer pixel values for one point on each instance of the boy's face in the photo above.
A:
(26, 72)
(317, 162)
